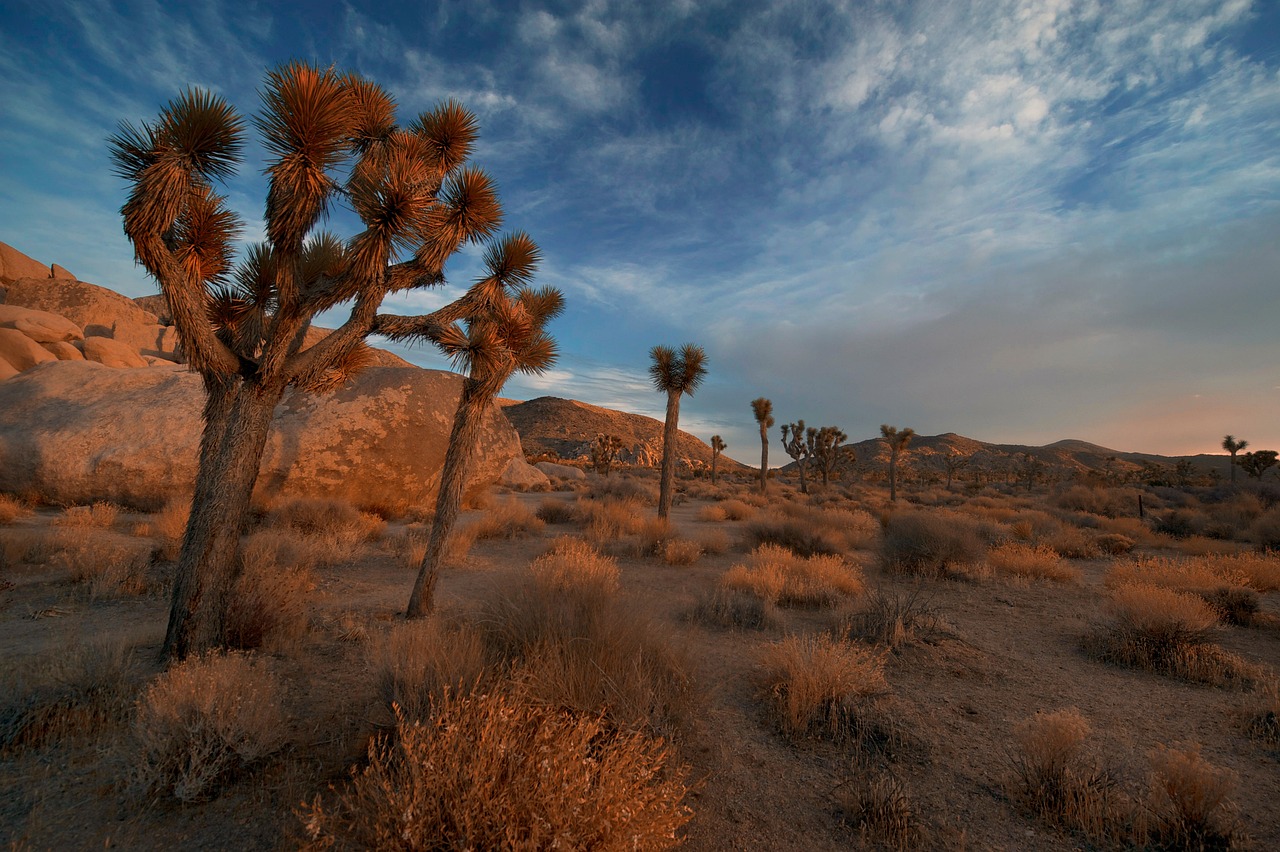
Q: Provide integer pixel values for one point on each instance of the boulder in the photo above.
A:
(111, 353)
(7, 370)
(76, 432)
(21, 352)
(97, 310)
(64, 351)
(561, 471)
(523, 476)
(14, 265)
(40, 326)
(156, 304)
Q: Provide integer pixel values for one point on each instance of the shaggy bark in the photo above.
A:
(669, 431)
(764, 457)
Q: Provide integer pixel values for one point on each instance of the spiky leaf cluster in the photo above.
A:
(604, 451)
(824, 446)
(793, 441)
(677, 371)
(763, 411)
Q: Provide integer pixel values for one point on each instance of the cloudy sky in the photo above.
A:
(1019, 221)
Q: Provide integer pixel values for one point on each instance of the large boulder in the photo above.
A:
(21, 352)
(14, 265)
(564, 472)
(40, 326)
(64, 351)
(75, 432)
(112, 353)
(523, 476)
(97, 310)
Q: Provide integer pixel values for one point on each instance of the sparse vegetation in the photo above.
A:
(930, 543)
(1191, 802)
(782, 577)
(822, 687)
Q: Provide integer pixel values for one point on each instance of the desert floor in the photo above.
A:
(1003, 649)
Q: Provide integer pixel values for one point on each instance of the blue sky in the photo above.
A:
(1020, 221)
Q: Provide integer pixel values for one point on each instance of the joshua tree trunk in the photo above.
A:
(669, 454)
(764, 457)
(893, 476)
(714, 458)
(467, 421)
(804, 483)
(235, 434)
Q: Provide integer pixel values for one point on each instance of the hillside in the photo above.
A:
(566, 429)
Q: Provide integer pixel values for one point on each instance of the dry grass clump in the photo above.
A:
(1055, 781)
(894, 620)
(416, 663)
(579, 645)
(623, 488)
(735, 609)
(1219, 581)
(108, 569)
(608, 520)
(494, 772)
(1114, 544)
(269, 608)
(100, 515)
(822, 687)
(1264, 532)
(778, 575)
(727, 510)
(76, 692)
(808, 530)
(201, 722)
(1166, 631)
(574, 566)
(1258, 571)
(169, 525)
(715, 542)
(1040, 562)
(336, 522)
(1191, 804)
(879, 805)
(507, 519)
(930, 543)
(556, 511)
(1262, 723)
(411, 546)
(11, 508)
(713, 513)
(1109, 502)
(681, 551)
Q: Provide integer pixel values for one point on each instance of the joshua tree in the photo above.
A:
(1231, 445)
(824, 449)
(763, 410)
(897, 441)
(1258, 462)
(604, 450)
(329, 138)
(717, 447)
(675, 374)
(797, 449)
(508, 336)
(953, 461)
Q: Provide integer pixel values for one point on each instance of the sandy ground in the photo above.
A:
(1010, 649)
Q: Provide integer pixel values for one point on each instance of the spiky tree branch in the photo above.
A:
(798, 449)
(674, 373)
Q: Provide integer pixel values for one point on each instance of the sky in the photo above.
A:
(1018, 220)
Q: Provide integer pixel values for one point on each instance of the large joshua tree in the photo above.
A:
(675, 374)
(506, 337)
(328, 137)
(1231, 445)
(897, 440)
(763, 411)
(717, 447)
(824, 448)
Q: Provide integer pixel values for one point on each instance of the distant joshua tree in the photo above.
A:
(797, 448)
(675, 374)
(824, 449)
(954, 461)
(1231, 445)
(604, 451)
(763, 410)
(717, 447)
(329, 139)
(1258, 462)
(897, 441)
(506, 338)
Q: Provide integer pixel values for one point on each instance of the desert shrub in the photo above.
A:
(1072, 543)
(109, 569)
(607, 520)
(75, 692)
(651, 536)
(1114, 544)
(201, 722)
(713, 513)
(573, 566)
(1055, 781)
(1234, 605)
(556, 511)
(269, 605)
(1258, 571)
(416, 663)
(1109, 502)
(1265, 531)
(680, 551)
(1219, 581)
(1166, 631)
(735, 609)
(879, 805)
(577, 647)
(810, 531)
(169, 525)
(100, 515)
(411, 547)
(782, 577)
(497, 773)
(1039, 563)
(11, 508)
(1179, 523)
(336, 522)
(623, 488)
(1191, 802)
(890, 619)
(822, 687)
(929, 543)
(507, 519)
(1262, 723)
(737, 510)
(715, 542)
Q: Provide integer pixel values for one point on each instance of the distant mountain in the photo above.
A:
(566, 428)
